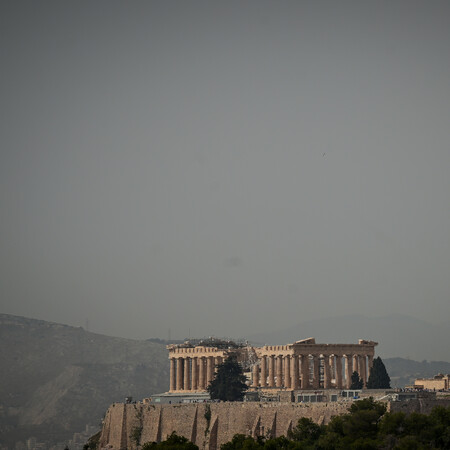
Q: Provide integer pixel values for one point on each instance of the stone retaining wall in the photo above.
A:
(208, 425)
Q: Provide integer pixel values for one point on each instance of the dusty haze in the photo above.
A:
(224, 168)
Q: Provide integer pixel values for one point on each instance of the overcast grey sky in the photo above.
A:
(224, 167)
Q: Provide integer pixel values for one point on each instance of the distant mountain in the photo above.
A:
(397, 335)
(56, 379)
(403, 371)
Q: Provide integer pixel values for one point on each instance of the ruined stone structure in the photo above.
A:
(439, 382)
(301, 365)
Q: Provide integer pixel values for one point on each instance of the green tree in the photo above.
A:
(173, 442)
(368, 404)
(307, 432)
(241, 442)
(356, 430)
(378, 378)
(282, 442)
(357, 382)
(92, 442)
(416, 430)
(440, 419)
(392, 424)
(229, 382)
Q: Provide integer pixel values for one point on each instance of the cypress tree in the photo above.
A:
(378, 378)
(229, 383)
(357, 382)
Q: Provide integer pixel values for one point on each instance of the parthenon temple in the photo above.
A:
(302, 365)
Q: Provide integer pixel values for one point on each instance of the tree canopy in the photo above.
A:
(378, 378)
(367, 426)
(229, 382)
(357, 382)
(173, 442)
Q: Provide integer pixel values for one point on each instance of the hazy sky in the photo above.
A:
(224, 168)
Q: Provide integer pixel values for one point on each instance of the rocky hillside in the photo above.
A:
(56, 379)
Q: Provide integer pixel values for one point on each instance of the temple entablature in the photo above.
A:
(310, 340)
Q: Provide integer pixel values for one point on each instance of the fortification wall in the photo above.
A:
(420, 405)
(208, 425)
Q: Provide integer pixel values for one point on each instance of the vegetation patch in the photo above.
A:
(92, 443)
(207, 417)
(229, 384)
(136, 434)
(367, 426)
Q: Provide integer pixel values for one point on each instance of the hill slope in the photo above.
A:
(403, 371)
(55, 379)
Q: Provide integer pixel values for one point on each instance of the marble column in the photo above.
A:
(271, 371)
(355, 363)
(202, 374)
(255, 375)
(369, 363)
(179, 386)
(263, 372)
(173, 375)
(348, 371)
(326, 372)
(209, 369)
(305, 372)
(295, 380)
(339, 371)
(299, 370)
(316, 372)
(194, 374)
(187, 374)
(279, 371)
(362, 366)
(287, 371)
(333, 368)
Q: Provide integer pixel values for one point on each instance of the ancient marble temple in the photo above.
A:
(301, 365)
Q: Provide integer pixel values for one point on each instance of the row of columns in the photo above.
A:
(192, 374)
(294, 371)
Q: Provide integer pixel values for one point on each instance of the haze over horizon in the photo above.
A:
(224, 168)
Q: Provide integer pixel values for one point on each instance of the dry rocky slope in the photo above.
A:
(55, 379)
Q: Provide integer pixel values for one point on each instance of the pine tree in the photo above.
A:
(378, 378)
(173, 442)
(229, 383)
(357, 382)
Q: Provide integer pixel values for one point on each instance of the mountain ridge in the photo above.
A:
(56, 379)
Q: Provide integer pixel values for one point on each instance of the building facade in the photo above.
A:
(302, 365)
(439, 382)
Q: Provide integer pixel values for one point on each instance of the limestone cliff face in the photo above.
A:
(208, 425)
